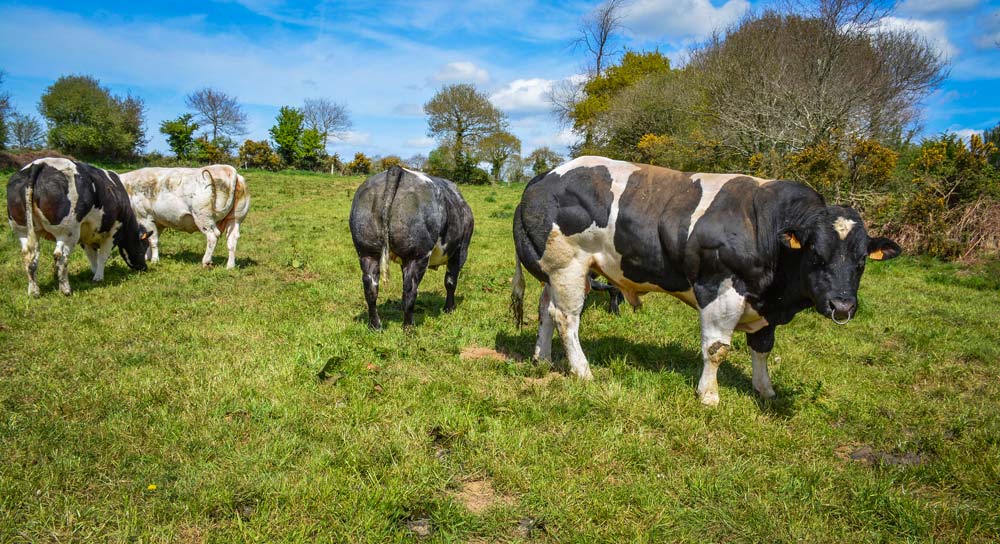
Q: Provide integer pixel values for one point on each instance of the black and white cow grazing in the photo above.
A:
(73, 202)
(415, 219)
(747, 253)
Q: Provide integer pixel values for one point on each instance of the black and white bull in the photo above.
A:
(73, 202)
(747, 253)
(415, 219)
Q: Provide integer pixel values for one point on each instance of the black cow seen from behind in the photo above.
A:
(416, 220)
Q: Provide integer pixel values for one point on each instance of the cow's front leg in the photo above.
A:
(29, 255)
(413, 272)
(91, 253)
(101, 257)
(63, 249)
(719, 318)
(543, 345)
(153, 253)
(369, 278)
(761, 343)
(568, 289)
(455, 263)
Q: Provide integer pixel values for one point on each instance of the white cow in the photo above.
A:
(213, 200)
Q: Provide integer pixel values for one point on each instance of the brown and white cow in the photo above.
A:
(747, 253)
(73, 202)
(213, 200)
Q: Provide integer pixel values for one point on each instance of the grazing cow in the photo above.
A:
(213, 200)
(415, 219)
(747, 253)
(73, 202)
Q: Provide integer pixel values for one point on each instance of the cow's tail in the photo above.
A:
(517, 292)
(29, 206)
(392, 179)
(225, 198)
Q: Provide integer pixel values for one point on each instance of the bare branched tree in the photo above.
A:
(329, 118)
(598, 33)
(219, 111)
(563, 95)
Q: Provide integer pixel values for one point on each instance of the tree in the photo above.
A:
(311, 151)
(180, 135)
(26, 132)
(287, 134)
(514, 169)
(207, 152)
(461, 116)
(543, 159)
(598, 32)
(259, 155)
(326, 117)
(782, 82)
(85, 120)
(5, 111)
(219, 111)
(992, 136)
(497, 148)
(360, 165)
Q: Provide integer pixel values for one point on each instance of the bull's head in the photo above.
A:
(833, 248)
(133, 241)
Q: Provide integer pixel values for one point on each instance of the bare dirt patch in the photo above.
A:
(478, 352)
(479, 496)
(869, 456)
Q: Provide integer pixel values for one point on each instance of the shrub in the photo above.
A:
(360, 165)
(259, 155)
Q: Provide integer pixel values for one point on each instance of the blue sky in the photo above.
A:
(385, 59)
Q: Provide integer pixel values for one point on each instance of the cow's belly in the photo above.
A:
(173, 212)
(90, 234)
(438, 257)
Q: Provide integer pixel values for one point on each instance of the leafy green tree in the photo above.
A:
(86, 120)
(207, 152)
(287, 134)
(543, 159)
(992, 136)
(259, 155)
(601, 89)
(496, 148)
(180, 135)
(462, 116)
(311, 151)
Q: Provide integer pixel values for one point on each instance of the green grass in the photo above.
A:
(205, 384)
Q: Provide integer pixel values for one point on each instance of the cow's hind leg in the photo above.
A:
(413, 272)
(153, 253)
(718, 320)
(568, 289)
(455, 264)
(101, 259)
(232, 236)
(369, 278)
(29, 255)
(64, 247)
(543, 346)
(211, 232)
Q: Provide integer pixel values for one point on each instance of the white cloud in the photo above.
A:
(461, 72)
(937, 6)
(988, 31)
(935, 32)
(655, 20)
(352, 137)
(524, 96)
(965, 133)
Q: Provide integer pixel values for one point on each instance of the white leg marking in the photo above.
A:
(92, 257)
(761, 380)
(103, 253)
(63, 249)
(568, 291)
(543, 346)
(718, 320)
(234, 236)
(29, 255)
(212, 237)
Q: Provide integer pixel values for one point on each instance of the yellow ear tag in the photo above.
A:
(793, 242)
(876, 255)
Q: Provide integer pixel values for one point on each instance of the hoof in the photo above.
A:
(767, 393)
(33, 291)
(709, 399)
(449, 309)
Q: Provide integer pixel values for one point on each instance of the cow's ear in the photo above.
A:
(790, 239)
(883, 249)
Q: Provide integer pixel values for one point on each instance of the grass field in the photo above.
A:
(192, 405)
